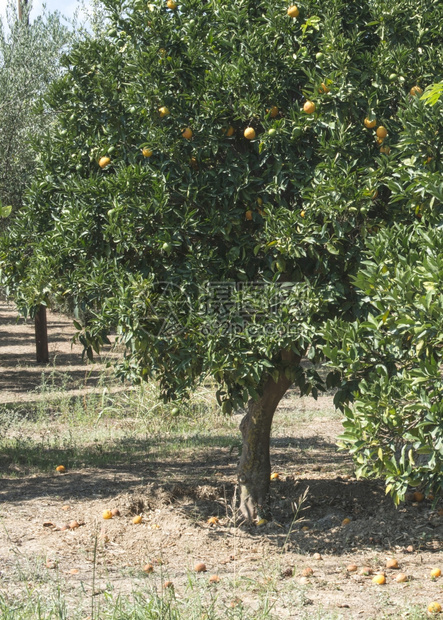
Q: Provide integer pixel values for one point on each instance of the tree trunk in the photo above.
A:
(254, 469)
(41, 336)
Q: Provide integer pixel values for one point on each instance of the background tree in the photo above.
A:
(29, 62)
(217, 176)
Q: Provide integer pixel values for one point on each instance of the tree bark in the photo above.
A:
(254, 469)
(41, 336)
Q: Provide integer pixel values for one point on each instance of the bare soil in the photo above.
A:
(21, 378)
(177, 496)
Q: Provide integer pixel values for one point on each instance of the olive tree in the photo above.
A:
(29, 62)
(217, 176)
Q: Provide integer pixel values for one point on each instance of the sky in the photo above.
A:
(65, 7)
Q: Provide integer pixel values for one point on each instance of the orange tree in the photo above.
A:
(216, 175)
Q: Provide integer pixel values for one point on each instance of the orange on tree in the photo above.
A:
(104, 161)
(273, 111)
(142, 269)
(385, 150)
(309, 107)
(171, 4)
(324, 89)
(370, 123)
(249, 133)
(415, 90)
(248, 214)
(146, 152)
(187, 133)
(381, 132)
(230, 131)
(293, 11)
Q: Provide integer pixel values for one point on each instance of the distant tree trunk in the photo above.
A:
(254, 469)
(21, 4)
(41, 336)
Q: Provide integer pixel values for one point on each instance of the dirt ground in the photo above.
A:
(177, 496)
(21, 377)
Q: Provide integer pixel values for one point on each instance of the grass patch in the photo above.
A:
(108, 429)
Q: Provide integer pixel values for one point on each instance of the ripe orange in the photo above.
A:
(248, 214)
(171, 4)
(230, 131)
(104, 161)
(273, 112)
(418, 495)
(293, 11)
(213, 521)
(382, 132)
(379, 579)
(61, 469)
(187, 134)
(380, 140)
(415, 90)
(435, 572)
(137, 519)
(309, 107)
(163, 111)
(434, 608)
(302, 213)
(249, 133)
(275, 476)
(346, 521)
(147, 152)
(200, 567)
(107, 514)
(323, 88)
(370, 124)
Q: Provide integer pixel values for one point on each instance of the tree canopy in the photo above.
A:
(29, 62)
(222, 188)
